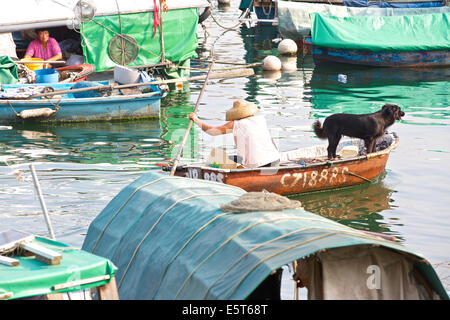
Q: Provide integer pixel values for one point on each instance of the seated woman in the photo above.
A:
(44, 47)
(254, 145)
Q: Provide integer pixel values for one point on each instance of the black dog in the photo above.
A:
(367, 126)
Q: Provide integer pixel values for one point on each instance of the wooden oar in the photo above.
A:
(180, 149)
(219, 75)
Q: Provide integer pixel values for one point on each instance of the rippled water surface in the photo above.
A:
(81, 167)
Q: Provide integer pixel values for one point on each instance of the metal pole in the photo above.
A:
(180, 150)
(41, 199)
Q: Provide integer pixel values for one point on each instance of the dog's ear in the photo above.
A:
(387, 109)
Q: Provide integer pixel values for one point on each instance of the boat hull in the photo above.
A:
(326, 56)
(73, 108)
(103, 108)
(287, 181)
(294, 178)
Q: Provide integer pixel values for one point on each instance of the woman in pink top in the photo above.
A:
(255, 147)
(44, 47)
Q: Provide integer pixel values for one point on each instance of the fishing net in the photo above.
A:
(123, 49)
(260, 201)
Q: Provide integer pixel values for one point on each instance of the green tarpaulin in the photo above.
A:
(179, 35)
(33, 277)
(8, 71)
(400, 33)
(170, 240)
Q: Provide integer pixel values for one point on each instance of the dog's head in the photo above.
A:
(392, 110)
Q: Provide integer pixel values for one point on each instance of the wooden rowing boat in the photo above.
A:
(302, 170)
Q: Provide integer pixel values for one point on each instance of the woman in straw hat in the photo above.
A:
(255, 147)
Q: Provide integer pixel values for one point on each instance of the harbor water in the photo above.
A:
(82, 166)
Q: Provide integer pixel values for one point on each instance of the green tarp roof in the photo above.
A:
(33, 277)
(179, 35)
(170, 240)
(400, 33)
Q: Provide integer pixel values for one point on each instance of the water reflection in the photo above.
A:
(359, 207)
(142, 143)
(422, 93)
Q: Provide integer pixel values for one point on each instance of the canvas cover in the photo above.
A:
(394, 33)
(180, 39)
(8, 71)
(29, 14)
(170, 240)
(33, 277)
(294, 20)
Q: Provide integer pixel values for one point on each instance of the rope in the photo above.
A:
(244, 14)
(15, 113)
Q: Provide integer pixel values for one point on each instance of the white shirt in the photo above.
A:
(253, 142)
(7, 45)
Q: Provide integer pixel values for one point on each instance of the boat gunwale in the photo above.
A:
(112, 98)
(329, 163)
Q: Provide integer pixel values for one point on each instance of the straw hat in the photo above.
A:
(241, 109)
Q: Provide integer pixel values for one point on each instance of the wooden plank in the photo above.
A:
(9, 239)
(108, 291)
(42, 254)
(55, 296)
(80, 282)
(7, 261)
(6, 295)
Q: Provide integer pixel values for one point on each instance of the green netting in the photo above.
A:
(33, 277)
(179, 35)
(401, 33)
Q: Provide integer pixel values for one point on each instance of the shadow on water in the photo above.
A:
(359, 207)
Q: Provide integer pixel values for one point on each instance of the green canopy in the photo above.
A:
(140, 45)
(170, 240)
(33, 277)
(385, 33)
(8, 71)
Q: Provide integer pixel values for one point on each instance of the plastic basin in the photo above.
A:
(33, 66)
(47, 76)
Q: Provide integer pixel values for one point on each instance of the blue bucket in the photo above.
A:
(46, 76)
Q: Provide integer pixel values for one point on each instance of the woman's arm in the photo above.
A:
(211, 130)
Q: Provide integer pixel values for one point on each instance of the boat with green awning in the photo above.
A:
(176, 238)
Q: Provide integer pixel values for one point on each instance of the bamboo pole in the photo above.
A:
(219, 75)
(180, 149)
(41, 199)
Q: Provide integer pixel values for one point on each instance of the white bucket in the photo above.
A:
(125, 75)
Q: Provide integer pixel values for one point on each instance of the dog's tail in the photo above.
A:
(320, 132)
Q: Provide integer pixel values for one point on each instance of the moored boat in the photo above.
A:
(176, 238)
(303, 170)
(394, 41)
(83, 101)
(148, 34)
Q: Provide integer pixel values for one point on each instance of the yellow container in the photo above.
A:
(33, 66)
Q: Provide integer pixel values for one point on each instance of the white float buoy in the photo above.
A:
(271, 63)
(287, 46)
